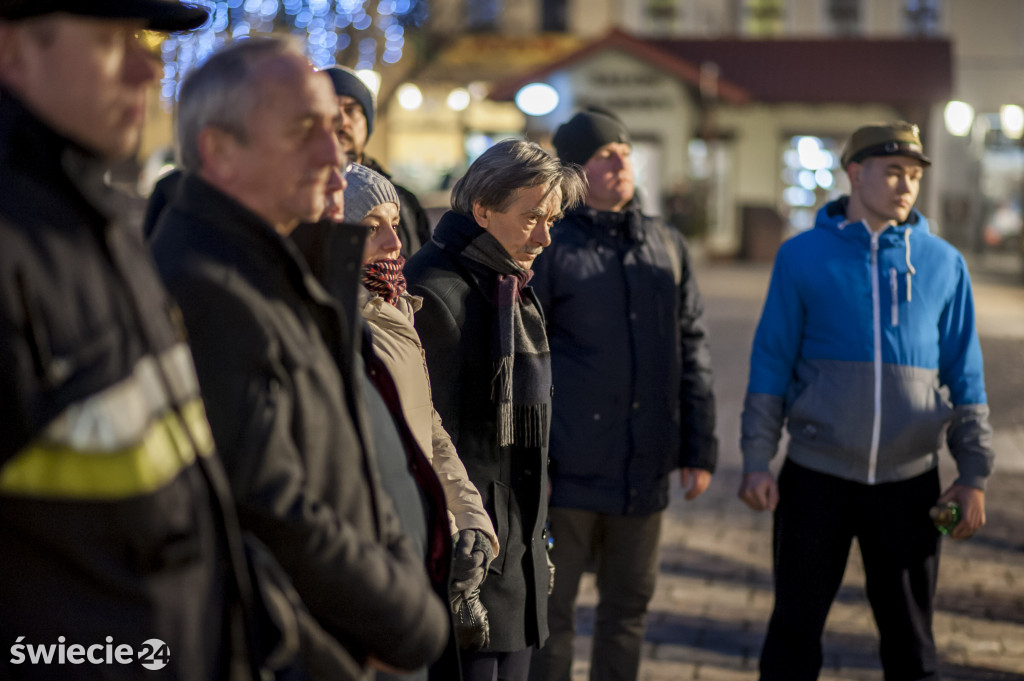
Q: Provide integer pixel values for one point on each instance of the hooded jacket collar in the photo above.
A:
(624, 224)
(832, 218)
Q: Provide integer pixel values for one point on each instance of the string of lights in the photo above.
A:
(376, 28)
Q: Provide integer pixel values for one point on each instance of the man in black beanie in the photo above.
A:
(634, 399)
(358, 107)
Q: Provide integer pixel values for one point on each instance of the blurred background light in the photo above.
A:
(537, 99)
(409, 97)
(458, 99)
(1011, 118)
(958, 117)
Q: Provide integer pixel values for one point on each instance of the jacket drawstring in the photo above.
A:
(910, 266)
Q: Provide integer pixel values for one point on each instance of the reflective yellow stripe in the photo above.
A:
(195, 420)
(55, 470)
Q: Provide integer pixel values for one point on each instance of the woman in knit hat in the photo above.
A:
(371, 201)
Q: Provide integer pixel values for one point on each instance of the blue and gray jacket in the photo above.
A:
(867, 350)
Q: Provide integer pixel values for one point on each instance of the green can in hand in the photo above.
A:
(945, 516)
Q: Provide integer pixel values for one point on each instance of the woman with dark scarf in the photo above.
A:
(372, 201)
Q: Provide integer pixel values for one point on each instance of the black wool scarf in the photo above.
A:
(521, 387)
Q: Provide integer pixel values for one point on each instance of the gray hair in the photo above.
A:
(494, 179)
(222, 92)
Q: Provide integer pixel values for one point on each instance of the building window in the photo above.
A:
(483, 15)
(844, 17)
(763, 17)
(555, 16)
(922, 17)
(661, 11)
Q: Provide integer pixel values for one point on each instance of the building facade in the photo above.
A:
(727, 157)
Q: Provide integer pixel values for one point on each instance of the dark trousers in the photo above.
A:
(485, 666)
(623, 552)
(816, 520)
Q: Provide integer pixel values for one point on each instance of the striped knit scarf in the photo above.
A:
(521, 387)
(385, 278)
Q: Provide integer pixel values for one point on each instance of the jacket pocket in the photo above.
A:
(500, 496)
(834, 409)
(916, 413)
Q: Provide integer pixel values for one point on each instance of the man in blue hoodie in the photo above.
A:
(867, 352)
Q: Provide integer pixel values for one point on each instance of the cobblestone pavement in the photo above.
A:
(713, 599)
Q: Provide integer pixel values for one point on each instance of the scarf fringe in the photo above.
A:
(525, 425)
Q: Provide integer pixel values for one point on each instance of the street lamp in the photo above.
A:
(959, 117)
(409, 97)
(458, 99)
(1011, 119)
(537, 99)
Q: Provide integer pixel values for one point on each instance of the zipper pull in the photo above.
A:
(893, 294)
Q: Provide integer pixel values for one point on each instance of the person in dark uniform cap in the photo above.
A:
(116, 522)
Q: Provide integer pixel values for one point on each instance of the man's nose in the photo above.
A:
(141, 66)
(329, 151)
(542, 233)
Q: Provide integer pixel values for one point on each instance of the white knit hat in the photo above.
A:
(366, 190)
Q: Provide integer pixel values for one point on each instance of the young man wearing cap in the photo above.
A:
(358, 105)
(869, 317)
(109, 490)
(633, 398)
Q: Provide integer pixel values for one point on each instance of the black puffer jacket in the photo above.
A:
(629, 357)
(265, 335)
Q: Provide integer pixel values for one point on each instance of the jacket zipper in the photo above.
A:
(876, 305)
(893, 292)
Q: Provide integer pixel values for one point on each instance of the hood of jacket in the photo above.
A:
(832, 217)
(626, 223)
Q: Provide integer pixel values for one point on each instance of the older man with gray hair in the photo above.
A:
(257, 144)
(487, 354)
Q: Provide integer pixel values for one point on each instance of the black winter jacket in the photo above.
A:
(406, 475)
(265, 336)
(456, 324)
(630, 362)
(107, 523)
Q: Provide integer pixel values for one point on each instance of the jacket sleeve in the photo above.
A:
(440, 335)
(696, 392)
(772, 363)
(373, 596)
(20, 388)
(464, 502)
(960, 368)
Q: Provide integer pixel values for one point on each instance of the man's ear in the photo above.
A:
(481, 215)
(217, 149)
(853, 172)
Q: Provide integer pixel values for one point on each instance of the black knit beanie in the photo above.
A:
(577, 139)
(347, 83)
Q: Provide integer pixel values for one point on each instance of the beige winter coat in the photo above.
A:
(398, 345)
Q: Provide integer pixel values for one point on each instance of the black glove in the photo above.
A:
(472, 556)
(472, 628)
